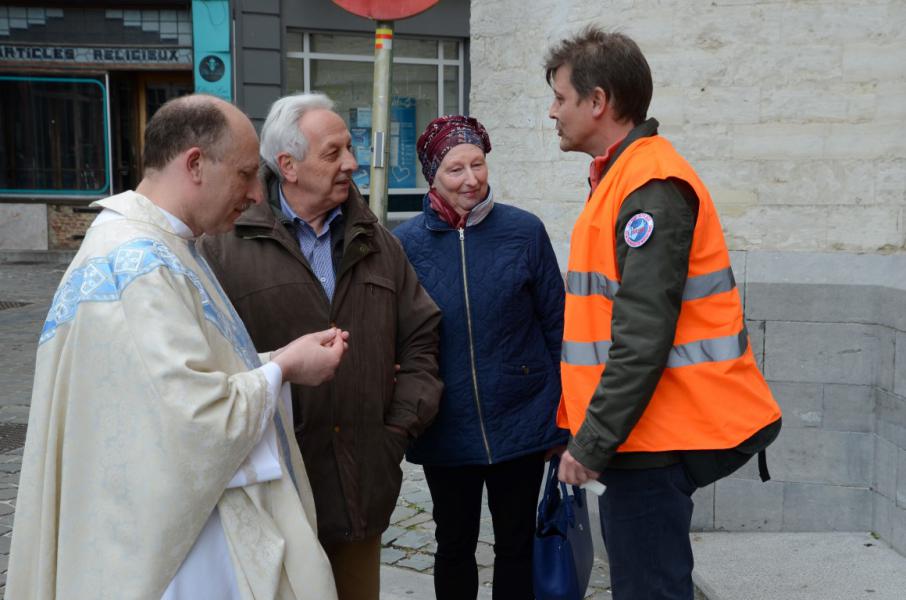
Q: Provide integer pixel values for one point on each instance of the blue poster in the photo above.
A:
(402, 143)
(403, 160)
(361, 147)
(211, 48)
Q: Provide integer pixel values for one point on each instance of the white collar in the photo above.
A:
(179, 228)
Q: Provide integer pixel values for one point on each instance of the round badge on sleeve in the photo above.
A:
(638, 230)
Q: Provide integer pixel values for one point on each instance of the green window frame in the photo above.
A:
(49, 150)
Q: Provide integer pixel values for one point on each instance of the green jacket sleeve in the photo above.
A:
(645, 311)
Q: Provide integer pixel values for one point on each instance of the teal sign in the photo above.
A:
(211, 35)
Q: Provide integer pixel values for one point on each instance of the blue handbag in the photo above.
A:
(562, 554)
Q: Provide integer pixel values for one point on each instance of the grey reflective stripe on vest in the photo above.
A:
(710, 350)
(709, 284)
(585, 354)
(581, 283)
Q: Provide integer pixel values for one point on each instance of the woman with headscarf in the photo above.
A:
(491, 269)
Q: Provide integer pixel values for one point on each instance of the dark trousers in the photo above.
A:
(513, 488)
(645, 519)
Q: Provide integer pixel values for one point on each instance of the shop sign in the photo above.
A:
(211, 34)
(108, 55)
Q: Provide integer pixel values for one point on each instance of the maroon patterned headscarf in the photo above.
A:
(444, 133)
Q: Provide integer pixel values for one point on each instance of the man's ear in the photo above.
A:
(598, 102)
(287, 169)
(192, 162)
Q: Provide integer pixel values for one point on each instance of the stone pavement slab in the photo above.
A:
(403, 584)
(797, 566)
(28, 288)
(29, 282)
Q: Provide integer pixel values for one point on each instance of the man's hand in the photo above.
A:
(312, 359)
(572, 472)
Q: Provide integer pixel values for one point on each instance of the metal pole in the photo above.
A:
(380, 119)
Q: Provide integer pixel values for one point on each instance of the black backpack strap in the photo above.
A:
(763, 466)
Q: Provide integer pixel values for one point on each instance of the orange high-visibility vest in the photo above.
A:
(711, 394)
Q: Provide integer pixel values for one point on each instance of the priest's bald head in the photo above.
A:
(201, 162)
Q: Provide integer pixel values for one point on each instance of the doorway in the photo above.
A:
(134, 98)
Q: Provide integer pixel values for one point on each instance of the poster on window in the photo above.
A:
(361, 147)
(403, 160)
(402, 142)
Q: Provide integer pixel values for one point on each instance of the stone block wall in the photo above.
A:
(23, 227)
(792, 112)
(828, 331)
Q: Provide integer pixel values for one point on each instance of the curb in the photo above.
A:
(702, 590)
(59, 257)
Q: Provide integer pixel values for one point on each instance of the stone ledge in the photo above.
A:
(796, 566)
(834, 268)
(61, 257)
(823, 287)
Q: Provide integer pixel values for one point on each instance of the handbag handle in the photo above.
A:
(548, 491)
(551, 475)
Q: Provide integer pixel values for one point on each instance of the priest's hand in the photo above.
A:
(312, 359)
(572, 472)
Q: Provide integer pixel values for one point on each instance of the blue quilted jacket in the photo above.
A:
(502, 380)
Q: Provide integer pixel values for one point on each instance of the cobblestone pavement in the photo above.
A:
(25, 294)
(409, 541)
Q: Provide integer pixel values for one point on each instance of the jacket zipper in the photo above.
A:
(465, 286)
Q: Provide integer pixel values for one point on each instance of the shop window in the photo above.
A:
(53, 136)
(427, 82)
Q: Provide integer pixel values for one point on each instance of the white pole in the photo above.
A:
(380, 119)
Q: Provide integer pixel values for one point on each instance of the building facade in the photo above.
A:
(78, 82)
(80, 79)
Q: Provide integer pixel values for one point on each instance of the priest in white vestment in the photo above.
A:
(160, 460)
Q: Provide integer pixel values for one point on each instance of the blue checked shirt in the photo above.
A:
(316, 249)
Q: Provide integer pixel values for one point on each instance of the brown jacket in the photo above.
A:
(352, 458)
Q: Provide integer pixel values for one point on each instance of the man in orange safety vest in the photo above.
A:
(661, 391)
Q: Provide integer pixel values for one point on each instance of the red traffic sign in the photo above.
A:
(385, 10)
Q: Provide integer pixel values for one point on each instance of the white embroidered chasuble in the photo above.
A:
(148, 400)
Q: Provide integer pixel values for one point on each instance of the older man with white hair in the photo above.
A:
(314, 256)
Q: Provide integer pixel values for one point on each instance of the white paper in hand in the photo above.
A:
(594, 486)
